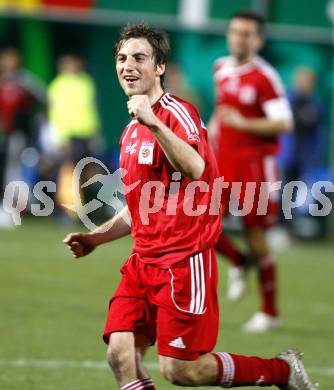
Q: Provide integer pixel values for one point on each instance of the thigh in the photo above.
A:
(129, 308)
(188, 315)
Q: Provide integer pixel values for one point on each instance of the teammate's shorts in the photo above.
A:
(260, 207)
(177, 307)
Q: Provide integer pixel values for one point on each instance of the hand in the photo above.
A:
(231, 117)
(139, 106)
(80, 244)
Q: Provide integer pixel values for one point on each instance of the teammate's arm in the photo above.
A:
(213, 126)
(277, 118)
(183, 157)
(213, 129)
(81, 244)
(275, 121)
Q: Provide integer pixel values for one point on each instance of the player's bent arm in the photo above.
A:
(213, 128)
(278, 118)
(183, 157)
(117, 227)
(81, 244)
(265, 126)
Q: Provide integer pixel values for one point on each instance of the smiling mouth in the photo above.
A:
(130, 80)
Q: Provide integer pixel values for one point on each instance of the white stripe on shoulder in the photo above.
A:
(271, 73)
(183, 111)
(181, 117)
(220, 61)
(176, 114)
(224, 68)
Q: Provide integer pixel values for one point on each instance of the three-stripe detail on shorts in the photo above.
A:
(197, 284)
(198, 287)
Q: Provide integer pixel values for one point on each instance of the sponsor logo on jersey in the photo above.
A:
(131, 148)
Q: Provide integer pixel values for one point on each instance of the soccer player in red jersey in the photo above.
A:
(168, 288)
(251, 111)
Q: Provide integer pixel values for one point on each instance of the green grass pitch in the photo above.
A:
(52, 311)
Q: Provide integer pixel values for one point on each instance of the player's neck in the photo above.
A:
(239, 61)
(155, 94)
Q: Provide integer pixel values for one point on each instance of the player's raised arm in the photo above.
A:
(183, 157)
(81, 244)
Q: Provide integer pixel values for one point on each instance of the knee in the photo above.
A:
(115, 355)
(118, 352)
(177, 372)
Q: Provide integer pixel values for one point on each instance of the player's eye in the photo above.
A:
(121, 59)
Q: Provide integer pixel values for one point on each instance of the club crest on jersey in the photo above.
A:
(131, 148)
(145, 155)
(247, 94)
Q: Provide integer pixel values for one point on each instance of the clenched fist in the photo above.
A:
(139, 106)
(80, 244)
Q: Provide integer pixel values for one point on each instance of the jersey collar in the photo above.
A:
(241, 69)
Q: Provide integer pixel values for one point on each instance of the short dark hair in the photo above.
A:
(255, 17)
(156, 38)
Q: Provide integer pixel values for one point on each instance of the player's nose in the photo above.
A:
(129, 64)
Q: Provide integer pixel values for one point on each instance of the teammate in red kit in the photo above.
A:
(168, 288)
(251, 111)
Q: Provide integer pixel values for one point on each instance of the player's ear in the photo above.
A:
(260, 42)
(161, 68)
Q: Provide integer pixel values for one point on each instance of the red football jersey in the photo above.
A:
(162, 228)
(247, 88)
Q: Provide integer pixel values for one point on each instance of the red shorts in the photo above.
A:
(261, 208)
(177, 307)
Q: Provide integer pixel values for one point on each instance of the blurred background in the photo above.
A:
(47, 35)
(56, 59)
